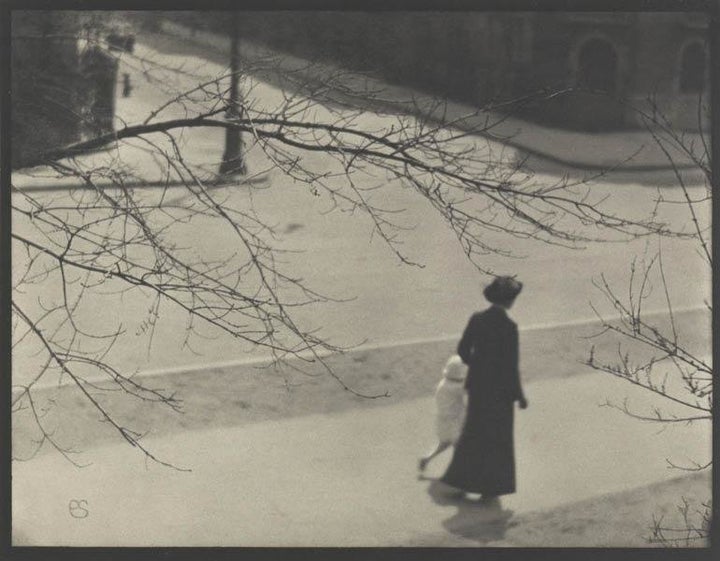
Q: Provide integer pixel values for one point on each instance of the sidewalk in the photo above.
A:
(347, 479)
(632, 150)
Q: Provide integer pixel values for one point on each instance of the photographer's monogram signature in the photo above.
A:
(78, 508)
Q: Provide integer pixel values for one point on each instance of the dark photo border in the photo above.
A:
(710, 7)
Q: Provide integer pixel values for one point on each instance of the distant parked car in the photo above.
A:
(121, 42)
(121, 36)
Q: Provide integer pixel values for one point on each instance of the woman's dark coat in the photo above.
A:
(484, 460)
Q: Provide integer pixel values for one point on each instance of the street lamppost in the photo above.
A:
(232, 162)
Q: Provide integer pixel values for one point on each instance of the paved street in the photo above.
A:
(340, 258)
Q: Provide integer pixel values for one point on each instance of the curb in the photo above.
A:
(255, 179)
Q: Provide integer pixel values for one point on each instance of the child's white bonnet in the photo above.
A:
(455, 369)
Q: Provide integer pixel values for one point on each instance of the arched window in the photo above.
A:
(597, 66)
(692, 69)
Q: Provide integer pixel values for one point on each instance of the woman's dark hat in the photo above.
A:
(502, 289)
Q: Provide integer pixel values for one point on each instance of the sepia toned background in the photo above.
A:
(322, 447)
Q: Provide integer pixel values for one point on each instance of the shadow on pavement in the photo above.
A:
(311, 78)
(477, 520)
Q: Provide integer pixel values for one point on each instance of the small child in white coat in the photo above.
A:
(450, 402)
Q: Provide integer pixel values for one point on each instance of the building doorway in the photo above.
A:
(597, 67)
(597, 105)
(693, 69)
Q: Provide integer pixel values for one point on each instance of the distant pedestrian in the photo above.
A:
(127, 86)
(484, 460)
(450, 403)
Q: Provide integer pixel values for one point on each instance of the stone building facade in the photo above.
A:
(618, 62)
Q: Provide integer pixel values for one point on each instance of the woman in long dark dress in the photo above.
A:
(484, 458)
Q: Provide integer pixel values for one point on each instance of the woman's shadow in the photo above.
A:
(483, 521)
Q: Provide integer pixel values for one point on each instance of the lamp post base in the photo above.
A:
(234, 166)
